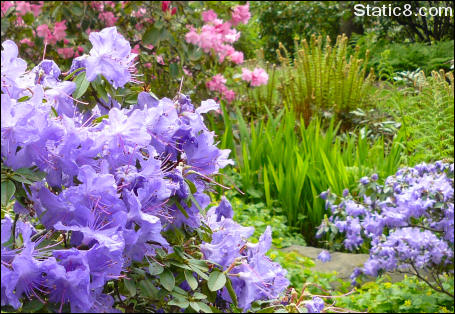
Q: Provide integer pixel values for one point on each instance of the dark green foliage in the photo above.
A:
(282, 162)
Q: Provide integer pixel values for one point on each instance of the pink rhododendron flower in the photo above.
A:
(247, 75)
(59, 30)
(209, 16)
(260, 77)
(19, 21)
(148, 65)
(160, 59)
(217, 83)
(98, 5)
(80, 49)
(108, 18)
(139, 13)
(66, 52)
(241, 14)
(231, 35)
(237, 57)
(173, 11)
(229, 95)
(42, 30)
(110, 3)
(257, 77)
(216, 36)
(66, 41)
(36, 8)
(187, 72)
(165, 5)
(6, 5)
(22, 7)
(135, 49)
(28, 42)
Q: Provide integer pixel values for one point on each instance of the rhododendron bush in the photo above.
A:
(407, 223)
(106, 203)
(172, 40)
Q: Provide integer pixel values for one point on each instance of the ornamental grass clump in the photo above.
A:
(105, 206)
(407, 223)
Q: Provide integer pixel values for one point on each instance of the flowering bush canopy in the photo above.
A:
(111, 200)
(171, 39)
(407, 223)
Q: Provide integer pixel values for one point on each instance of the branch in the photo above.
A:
(439, 288)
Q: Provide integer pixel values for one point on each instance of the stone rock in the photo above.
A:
(343, 263)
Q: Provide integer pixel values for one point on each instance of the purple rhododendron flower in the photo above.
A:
(112, 186)
(110, 56)
(324, 256)
(316, 305)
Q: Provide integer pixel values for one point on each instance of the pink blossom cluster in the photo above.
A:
(23, 7)
(108, 18)
(217, 84)
(166, 7)
(257, 77)
(52, 36)
(241, 14)
(217, 36)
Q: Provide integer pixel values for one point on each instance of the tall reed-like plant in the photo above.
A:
(319, 77)
(291, 164)
(323, 77)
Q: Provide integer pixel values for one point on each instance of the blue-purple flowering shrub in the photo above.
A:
(105, 205)
(407, 224)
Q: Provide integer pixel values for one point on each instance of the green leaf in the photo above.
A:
(99, 119)
(199, 296)
(151, 36)
(231, 291)
(147, 288)
(25, 98)
(32, 306)
(192, 282)
(28, 18)
(30, 174)
(130, 285)
(69, 76)
(22, 179)
(201, 264)
(195, 306)
(8, 188)
(180, 207)
(54, 111)
(216, 281)
(174, 70)
(191, 186)
(199, 272)
(155, 269)
(204, 307)
(167, 280)
(81, 86)
(195, 202)
(100, 90)
(180, 302)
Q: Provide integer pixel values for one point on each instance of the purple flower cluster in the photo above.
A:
(408, 221)
(254, 276)
(324, 256)
(113, 185)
